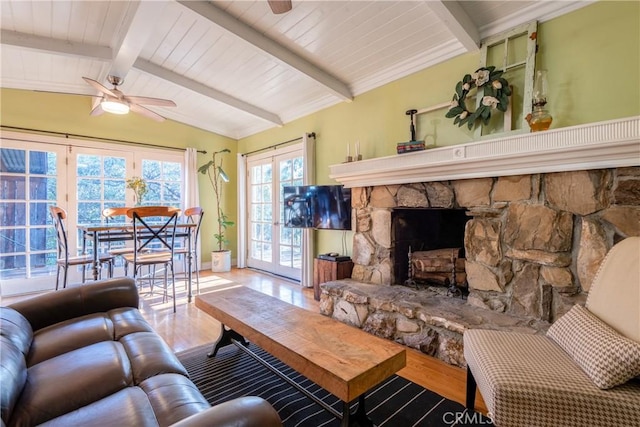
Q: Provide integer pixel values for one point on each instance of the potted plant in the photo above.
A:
(221, 257)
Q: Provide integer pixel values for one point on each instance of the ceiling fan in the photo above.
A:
(279, 6)
(116, 102)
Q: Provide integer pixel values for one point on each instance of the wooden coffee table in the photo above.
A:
(340, 358)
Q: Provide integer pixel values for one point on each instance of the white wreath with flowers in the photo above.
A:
(496, 93)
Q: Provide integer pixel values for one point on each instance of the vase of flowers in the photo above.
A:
(139, 187)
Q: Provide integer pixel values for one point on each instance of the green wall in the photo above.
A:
(593, 58)
(70, 114)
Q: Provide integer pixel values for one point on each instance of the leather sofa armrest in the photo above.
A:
(248, 411)
(58, 306)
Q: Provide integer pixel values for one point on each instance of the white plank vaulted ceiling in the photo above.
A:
(234, 67)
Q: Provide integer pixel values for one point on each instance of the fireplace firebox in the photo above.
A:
(418, 230)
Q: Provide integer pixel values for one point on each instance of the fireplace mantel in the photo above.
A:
(601, 145)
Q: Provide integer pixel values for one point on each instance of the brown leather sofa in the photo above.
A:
(85, 356)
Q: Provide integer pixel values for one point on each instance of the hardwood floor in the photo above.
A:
(190, 327)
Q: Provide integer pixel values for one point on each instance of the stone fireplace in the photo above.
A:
(532, 241)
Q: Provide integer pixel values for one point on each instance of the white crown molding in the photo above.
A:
(601, 145)
(538, 11)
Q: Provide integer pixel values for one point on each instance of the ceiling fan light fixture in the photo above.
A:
(115, 107)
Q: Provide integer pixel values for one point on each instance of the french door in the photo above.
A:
(83, 180)
(271, 246)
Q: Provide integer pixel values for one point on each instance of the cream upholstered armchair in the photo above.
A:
(584, 372)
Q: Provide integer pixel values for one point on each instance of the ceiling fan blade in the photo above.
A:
(150, 101)
(100, 87)
(146, 112)
(279, 6)
(97, 111)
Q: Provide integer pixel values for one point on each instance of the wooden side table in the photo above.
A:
(326, 271)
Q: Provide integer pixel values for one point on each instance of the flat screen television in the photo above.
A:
(317, 206)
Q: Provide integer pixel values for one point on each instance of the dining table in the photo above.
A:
(96, 234)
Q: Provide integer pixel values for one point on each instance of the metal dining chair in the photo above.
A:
(193, 215)
(64, 260)
(111, 214)
(154, 226)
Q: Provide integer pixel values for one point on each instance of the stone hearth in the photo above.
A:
(533, 245)
(422, 319)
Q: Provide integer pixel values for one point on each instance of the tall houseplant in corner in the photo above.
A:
(220, 257)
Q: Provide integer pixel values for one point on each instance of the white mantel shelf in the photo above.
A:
(601, 145)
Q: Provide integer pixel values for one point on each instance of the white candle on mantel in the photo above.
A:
(348, 148)
(357, 148)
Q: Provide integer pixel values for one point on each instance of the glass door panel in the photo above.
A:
(290, 239)
(272, 247)
(100, 182)
(29, 184)
(261, 216)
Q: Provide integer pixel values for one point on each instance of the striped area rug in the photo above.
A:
(396, 402)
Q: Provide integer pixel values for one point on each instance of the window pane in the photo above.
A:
(89, 165)
(42, 264)
(39, 214)
(286, 235)
(153, 194)
(255, 250)
(114, 167)
(13, 214)
(41, 188)
(286, 170)
(151, 169)
(266, 193)
(266, 233)
(89, 213)
(42, 163)
(285, 255)
(114, 190)
(267, 212)
(517, 49)
(266, 252)
(42, 239)
(266, 173)
(172, 192)
(256, 213)
(13, 161)
(13, 240)
(164, 182)
(255, 194)
(256, 230)
(12, 266)
(297, 256)
(89, 189)
(13, 187)
(256, 175)
(172, 171)
(298, 169)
